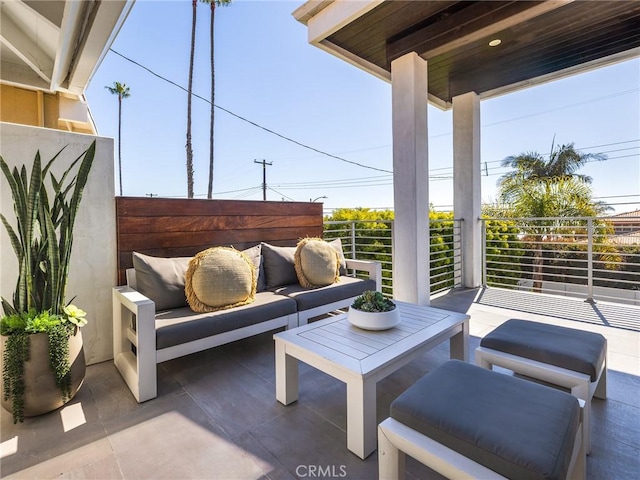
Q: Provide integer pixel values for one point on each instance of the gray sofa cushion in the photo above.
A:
(161, 279)
(279, 267)
(568, 348)
(182, 325)
(517, 428)
(345, 287)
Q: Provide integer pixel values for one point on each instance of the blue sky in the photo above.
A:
(267, 73)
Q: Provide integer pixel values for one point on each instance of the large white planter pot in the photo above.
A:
(374, 320)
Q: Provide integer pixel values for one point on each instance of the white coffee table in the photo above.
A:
(361, 358)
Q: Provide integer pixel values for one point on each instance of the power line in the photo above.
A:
(351, 183)
(618, 196)
(284, 137)
(281, 194)
(388, 180)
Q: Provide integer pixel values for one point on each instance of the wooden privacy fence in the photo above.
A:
(165, 227)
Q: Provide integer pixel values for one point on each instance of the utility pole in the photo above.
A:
(264, 177)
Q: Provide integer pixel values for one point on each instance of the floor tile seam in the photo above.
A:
(273, 459)
(627, 444)
(184, 387)
(115, 455)
(267, 380)
(250, 428)
(323, 418)
(274, 454)
(610, 400)
(140, 407)
(212, 421)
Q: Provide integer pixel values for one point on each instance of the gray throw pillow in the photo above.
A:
(337, 244)
(279, 269)
(161, 279)
(255, 255)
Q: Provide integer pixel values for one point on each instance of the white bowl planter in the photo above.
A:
(374, 320)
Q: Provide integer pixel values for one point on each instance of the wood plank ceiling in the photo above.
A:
(537, 39)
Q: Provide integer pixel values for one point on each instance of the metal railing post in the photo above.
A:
(353, 239)
(484, 252)
(462, 256)
(590, 261)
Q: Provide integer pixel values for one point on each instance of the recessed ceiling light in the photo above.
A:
(495, 42)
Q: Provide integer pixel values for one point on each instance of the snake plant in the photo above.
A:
(42, 240)
(43, 236)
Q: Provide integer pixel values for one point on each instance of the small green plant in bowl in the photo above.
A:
(373, 301)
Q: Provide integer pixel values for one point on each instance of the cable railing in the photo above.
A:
(373, 240)
(584, 257)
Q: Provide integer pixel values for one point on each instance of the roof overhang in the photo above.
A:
(57, 45)
(540, 40)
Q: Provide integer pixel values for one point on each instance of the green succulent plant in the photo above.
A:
(373, 301)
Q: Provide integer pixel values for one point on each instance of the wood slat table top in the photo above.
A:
(336, 340)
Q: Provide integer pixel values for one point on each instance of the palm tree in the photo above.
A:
(122, 91)
(194, 4)
(540, 188)
(563, 162)
(213, 4)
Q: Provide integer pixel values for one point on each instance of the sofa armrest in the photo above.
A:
(372, 267)
(134, 341)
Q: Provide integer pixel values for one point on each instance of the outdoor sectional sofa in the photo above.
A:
(153, 323)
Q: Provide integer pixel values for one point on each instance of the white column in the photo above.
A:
(410, 180)
(466, 184)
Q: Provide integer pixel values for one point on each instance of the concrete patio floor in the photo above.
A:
(216, 416)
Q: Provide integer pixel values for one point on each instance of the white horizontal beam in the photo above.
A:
(335, 16)
(25, 48)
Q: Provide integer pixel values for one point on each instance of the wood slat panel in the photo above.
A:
(199, 223)
(154, 207)
(137, 241)
(183, 227)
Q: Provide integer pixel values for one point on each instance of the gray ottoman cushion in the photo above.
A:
(519, 429)
(568, 348)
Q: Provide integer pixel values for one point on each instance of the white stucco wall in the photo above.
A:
(93, 264)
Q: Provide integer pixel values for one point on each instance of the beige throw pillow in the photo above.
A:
(219, 278)
(316, 262)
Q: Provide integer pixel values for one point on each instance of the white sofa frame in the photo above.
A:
(396, 440)
(134, 324)
(578, 383)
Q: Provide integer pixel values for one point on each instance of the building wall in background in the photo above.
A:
(93, 264)
(40, 109)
